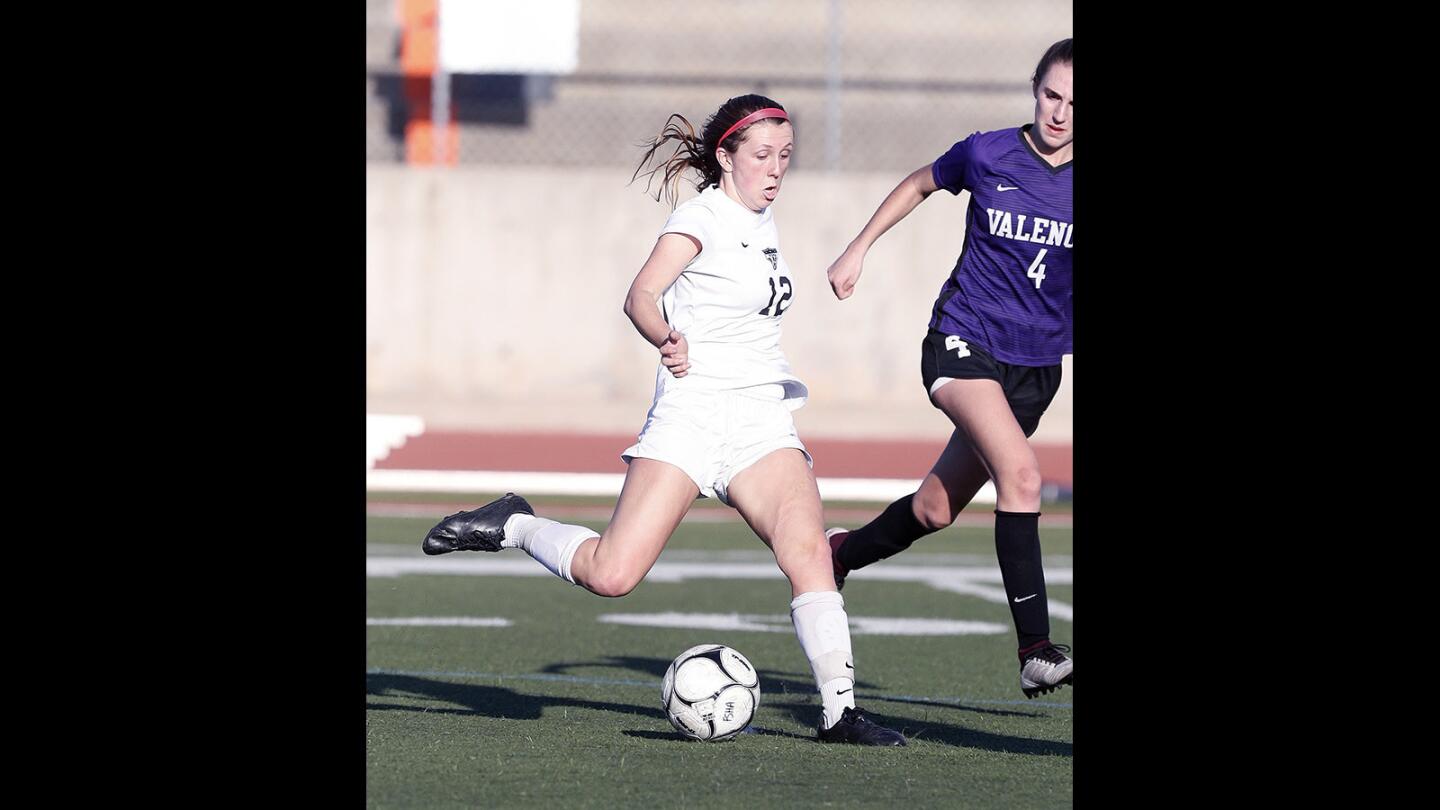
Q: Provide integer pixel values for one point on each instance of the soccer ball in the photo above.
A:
(710, 692)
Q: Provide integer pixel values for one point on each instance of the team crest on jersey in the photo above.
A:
(774, 256)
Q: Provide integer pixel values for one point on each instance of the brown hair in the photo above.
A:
(692, 152)
(1062, 51)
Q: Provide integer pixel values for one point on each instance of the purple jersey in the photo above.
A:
(1010, 290)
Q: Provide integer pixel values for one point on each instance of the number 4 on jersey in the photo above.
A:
(1037, 270)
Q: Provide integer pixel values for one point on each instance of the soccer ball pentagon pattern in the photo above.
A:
(710, 692)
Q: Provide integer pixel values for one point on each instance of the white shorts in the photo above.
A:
(714, 435)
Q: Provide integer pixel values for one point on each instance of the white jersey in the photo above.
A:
(728, 301)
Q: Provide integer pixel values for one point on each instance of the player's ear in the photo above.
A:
(724, 158)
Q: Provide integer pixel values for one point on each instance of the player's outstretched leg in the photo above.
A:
(480, 529)
(1044, 668)
(949, 486)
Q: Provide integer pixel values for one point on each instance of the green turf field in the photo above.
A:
(554, 706)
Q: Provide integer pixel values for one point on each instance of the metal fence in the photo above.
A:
(871, 85)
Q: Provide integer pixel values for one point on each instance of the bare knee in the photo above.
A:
(612, 583)
(1021, 484)
(794, 557)
(934, 512)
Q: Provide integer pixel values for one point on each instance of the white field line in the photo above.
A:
(984, 582)
(440, 621)
(758, 555)
(781, 623)
(772, 623)
(550, 483)
(849, 516)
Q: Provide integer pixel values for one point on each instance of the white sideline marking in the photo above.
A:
(1059, 610)
(584, 512)
(551, 483)
(984, 582)
(780, 623)
(580, 512)
(439, 621)
(515, 566)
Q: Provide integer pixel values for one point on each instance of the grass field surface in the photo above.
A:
(492, 683)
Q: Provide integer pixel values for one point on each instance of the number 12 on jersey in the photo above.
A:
(775, 308)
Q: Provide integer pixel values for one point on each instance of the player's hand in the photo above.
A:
(675, 354)
(845, 272)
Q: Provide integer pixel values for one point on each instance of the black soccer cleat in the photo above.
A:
(1045, 670)
(480, 529)
(837, 537)
(855, 727)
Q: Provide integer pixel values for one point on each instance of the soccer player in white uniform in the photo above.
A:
(710, 298)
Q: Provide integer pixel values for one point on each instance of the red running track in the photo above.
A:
(592, 453)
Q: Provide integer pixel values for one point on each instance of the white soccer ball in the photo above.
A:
(710, 692)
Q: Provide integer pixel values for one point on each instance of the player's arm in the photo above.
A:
(912, 191)
(671, 253)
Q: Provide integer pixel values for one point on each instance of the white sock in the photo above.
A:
(824, 631)
(552, 544)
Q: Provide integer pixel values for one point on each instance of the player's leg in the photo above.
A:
(946, 490)
(980, 409)
(655, 497)
(953, 481)
(778, 497)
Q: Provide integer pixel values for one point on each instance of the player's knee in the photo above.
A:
(934, 513)
(796, 557)
(1022, 483)
(613, 583)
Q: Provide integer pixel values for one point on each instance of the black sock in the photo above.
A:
(885, 536)
(1017, 545)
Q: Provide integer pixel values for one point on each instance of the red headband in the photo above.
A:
(768, 112)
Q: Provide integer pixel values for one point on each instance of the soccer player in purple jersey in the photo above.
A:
(991, 358)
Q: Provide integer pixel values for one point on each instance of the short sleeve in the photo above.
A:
(691, 220)
(952, 171)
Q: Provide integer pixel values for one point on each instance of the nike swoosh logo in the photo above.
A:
(844, 691)
(1023, 598)
(999, 187)
(742, 244)
(849, 666)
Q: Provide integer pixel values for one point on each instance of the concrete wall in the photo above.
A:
(493, 301)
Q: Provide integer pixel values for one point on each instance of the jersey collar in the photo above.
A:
(734, 213)
(1020, 133)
